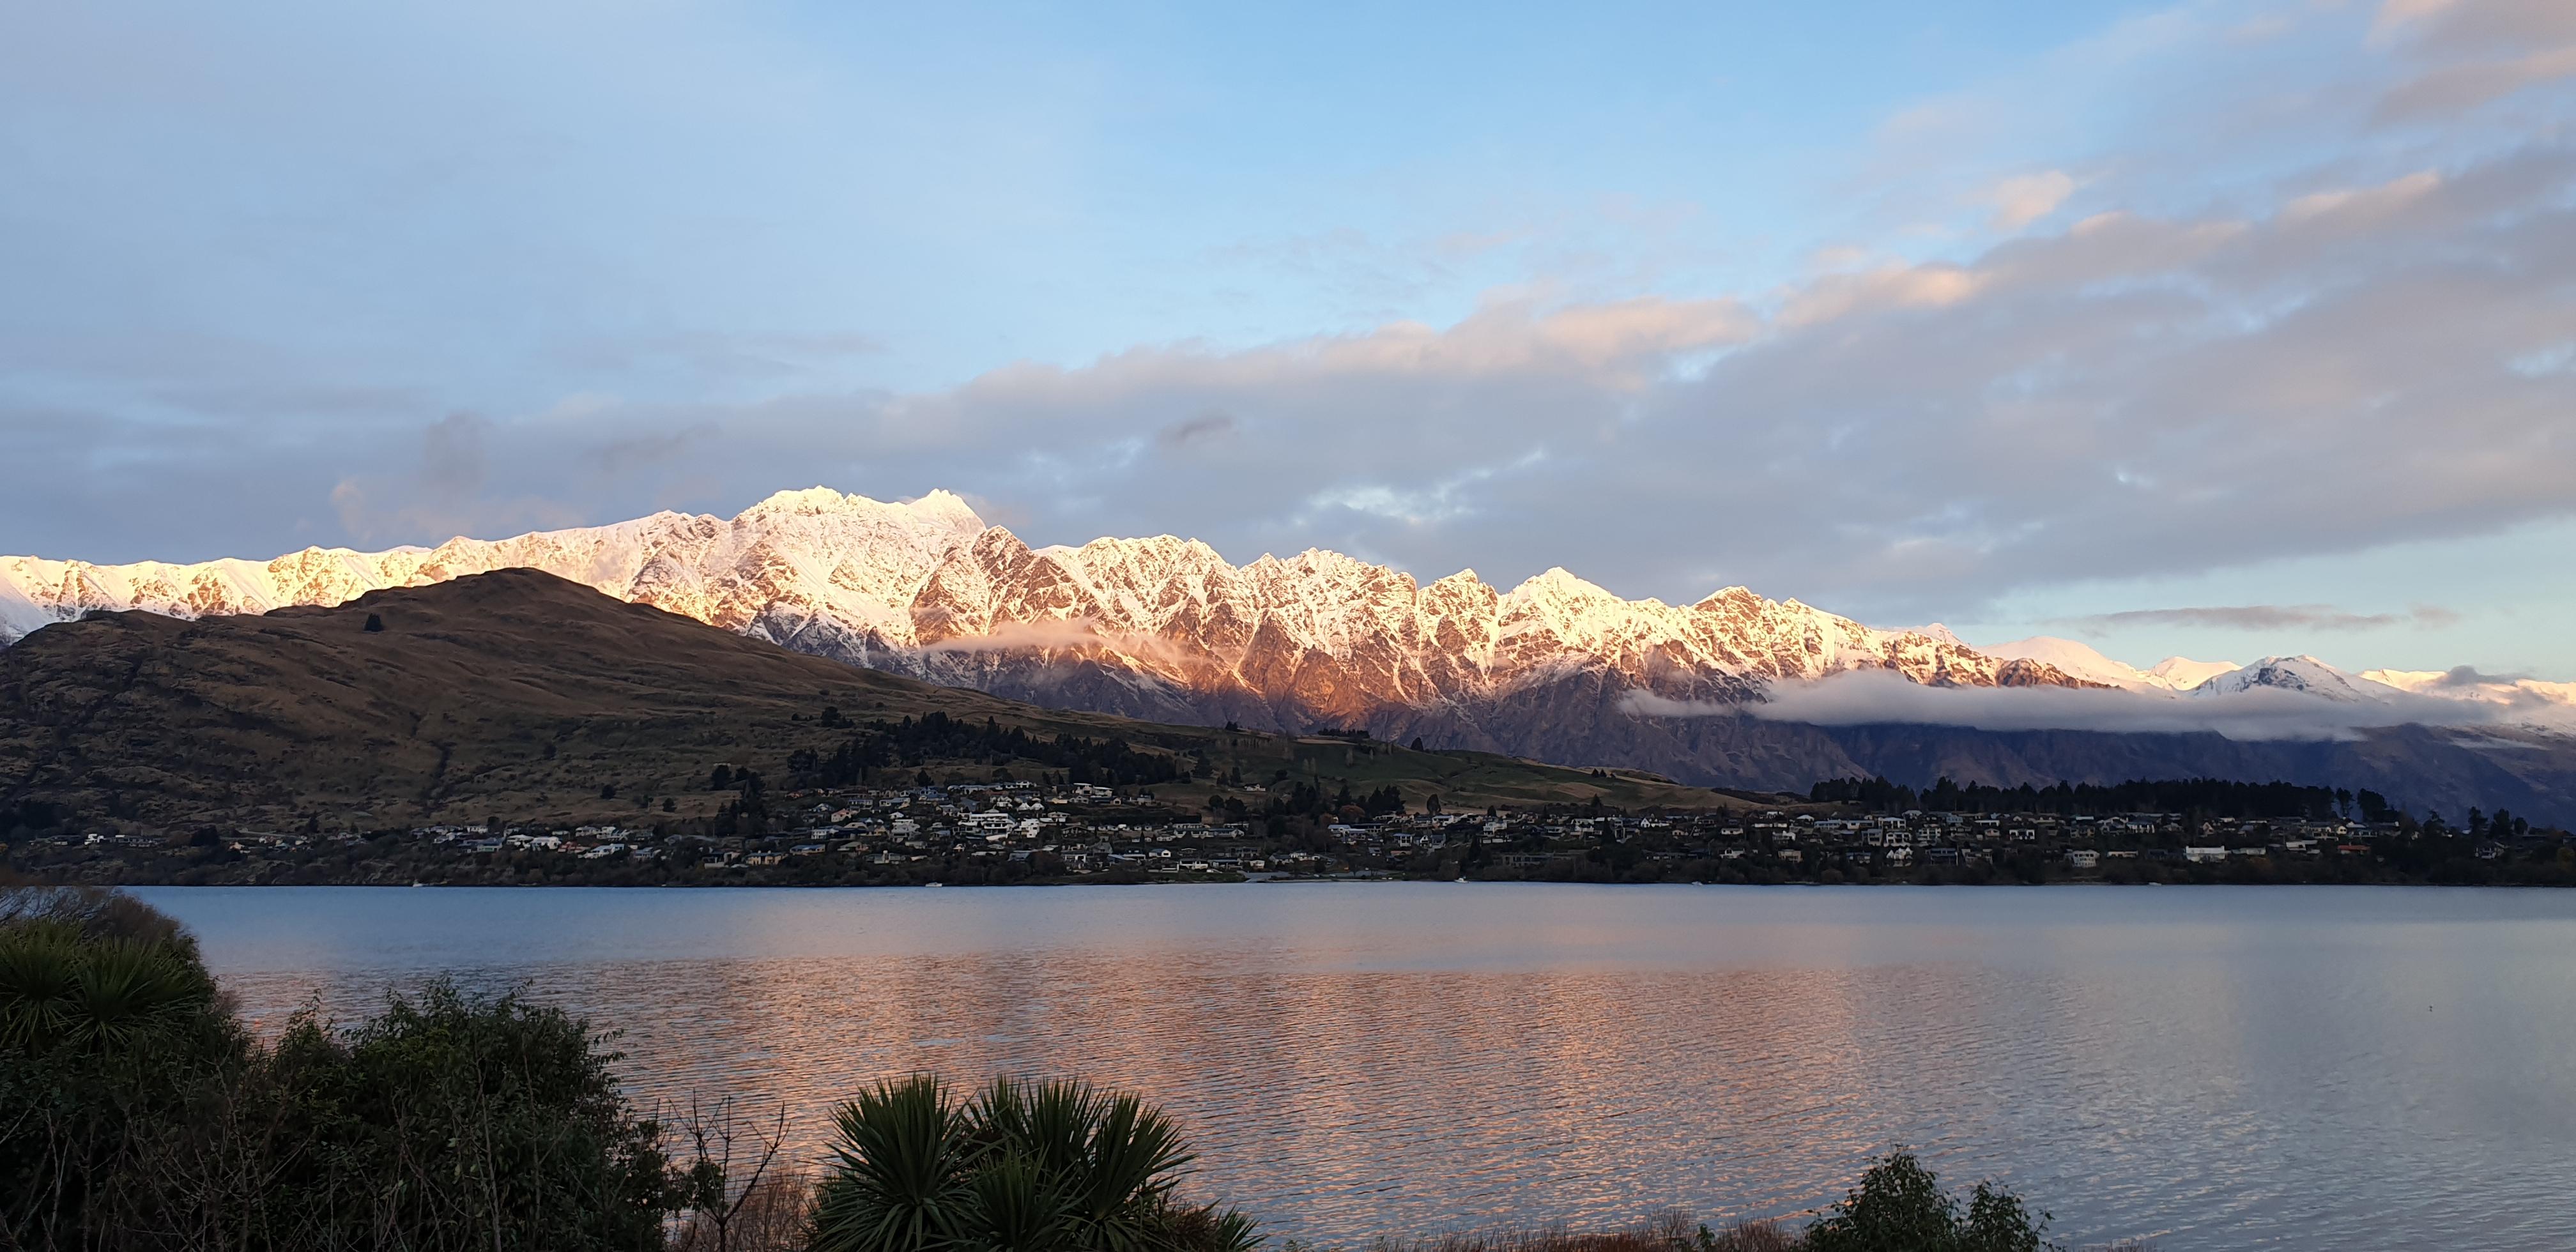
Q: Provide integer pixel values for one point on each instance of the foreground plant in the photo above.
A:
(1900, 1207)
(1021, 1167)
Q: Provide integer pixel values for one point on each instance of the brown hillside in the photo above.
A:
(518, 694)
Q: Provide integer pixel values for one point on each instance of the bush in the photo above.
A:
(467, 1122)
(1052, 1165)
(135, 1113)
(1900, 1207)
(112, 1036)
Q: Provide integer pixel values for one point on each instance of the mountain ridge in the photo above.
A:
(1164, 629)
(521, 694)
(913, 587)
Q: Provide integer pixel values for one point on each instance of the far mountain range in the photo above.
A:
(1733, 690)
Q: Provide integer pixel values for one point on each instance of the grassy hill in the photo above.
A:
(521, 695)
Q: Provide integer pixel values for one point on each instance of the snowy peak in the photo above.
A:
(2182, 672)
(2085, 662)
(2080, 660)
(938, 511)
(925, 587)
(2296, 673)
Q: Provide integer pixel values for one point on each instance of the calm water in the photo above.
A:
(2212, 1067)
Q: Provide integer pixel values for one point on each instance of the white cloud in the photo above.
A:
(1869, 697)
(2025, 198)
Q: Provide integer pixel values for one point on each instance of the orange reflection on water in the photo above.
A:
(1386, 1060)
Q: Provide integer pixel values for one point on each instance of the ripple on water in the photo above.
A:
(2304, 1068)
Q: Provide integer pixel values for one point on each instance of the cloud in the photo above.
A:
(451, 454)
(2025, 198)
(2466, 54)
(2468, 676)
(1195, 430)
(2286, 333)
(1872, 697)
(2273, 617)
(1077, 632)
(444, 493)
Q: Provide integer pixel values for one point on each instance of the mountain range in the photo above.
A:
(1555, 668)
(518, 694)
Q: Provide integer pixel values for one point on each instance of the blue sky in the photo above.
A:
(2034, 318)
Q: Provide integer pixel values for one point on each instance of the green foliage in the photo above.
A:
(1900, 1207)
(111, 1035)
(1044, 1165)
(490, 1121)
(135, 1113)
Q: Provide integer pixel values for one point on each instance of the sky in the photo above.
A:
(2226, 330)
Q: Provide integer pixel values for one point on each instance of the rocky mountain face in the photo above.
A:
(1160, 627)
(1165, 629)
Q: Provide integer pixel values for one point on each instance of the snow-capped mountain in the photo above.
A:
(2304, 674)
(1554, 668)
(2522, 703)
(1162, 626)
(818, 550)
(2082, 661)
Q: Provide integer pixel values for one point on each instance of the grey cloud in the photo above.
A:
(445, 493)
(625, 454)
(2469, 678)
(451, 454)
(2308, 617)
(1195, 431)
(2468, 53)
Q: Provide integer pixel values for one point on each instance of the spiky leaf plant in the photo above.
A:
(896, 1181)
(1023, 1167)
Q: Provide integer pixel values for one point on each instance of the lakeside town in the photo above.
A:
(1058, 831)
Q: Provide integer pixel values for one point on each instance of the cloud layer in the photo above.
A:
(1864, 697)
(2354, 326)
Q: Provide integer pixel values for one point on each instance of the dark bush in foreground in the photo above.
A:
(135, 1113)
(1900, 1207)
(451, 1120)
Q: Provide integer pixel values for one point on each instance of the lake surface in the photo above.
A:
(2309, 1067)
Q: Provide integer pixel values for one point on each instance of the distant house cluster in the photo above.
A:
(1006, 831)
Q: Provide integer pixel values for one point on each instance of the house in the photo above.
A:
(2204, 855)
(2082, 858)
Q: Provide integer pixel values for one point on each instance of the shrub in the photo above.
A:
(1052, 1165)
(135, 1113)
(462, 1121)
(1900, 1207)
(111, 1037)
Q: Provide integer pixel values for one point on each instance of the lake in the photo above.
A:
(2310, 1067)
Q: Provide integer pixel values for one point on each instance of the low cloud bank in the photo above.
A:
(1027, 636)
(2261, 714)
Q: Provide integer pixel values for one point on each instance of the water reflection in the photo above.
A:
(2235, 1068)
